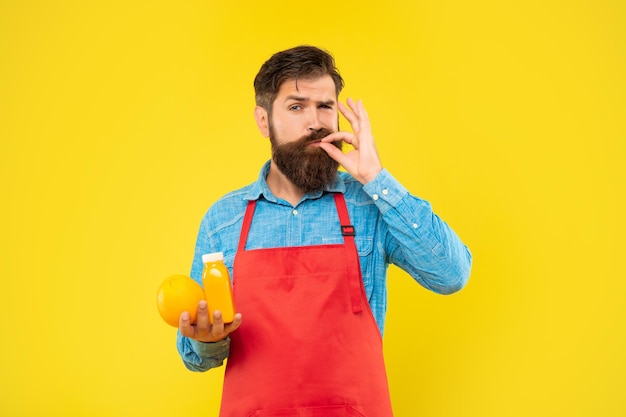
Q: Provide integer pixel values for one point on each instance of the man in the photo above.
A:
(308, 248)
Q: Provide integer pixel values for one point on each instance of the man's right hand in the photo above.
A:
(203, 330)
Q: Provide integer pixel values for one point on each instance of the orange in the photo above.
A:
(176, 294)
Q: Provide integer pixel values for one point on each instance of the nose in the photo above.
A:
(314, 121)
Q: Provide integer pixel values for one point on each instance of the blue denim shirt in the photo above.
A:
(392, 227)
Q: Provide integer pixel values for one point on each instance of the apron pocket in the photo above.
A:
(325, 411)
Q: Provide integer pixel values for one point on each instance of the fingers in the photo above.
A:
(207, 329)
(184, 325)
(347, 113)
(217, 329)
(202, 320)
(342, 135)
(334, 152)
(197, 329)
(364, 119)
(355, 113)
(234, 325)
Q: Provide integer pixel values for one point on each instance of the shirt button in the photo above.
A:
(414, 225)
(385, 191)
(295, 212)
(375, 197)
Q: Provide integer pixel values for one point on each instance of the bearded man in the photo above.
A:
(308, 247)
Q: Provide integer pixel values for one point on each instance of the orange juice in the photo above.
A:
(218, 289)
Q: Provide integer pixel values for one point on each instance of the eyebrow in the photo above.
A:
(300, 98)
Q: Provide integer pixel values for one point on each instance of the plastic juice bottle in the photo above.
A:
(218, 289)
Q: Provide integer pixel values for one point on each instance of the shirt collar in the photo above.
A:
(260, 188)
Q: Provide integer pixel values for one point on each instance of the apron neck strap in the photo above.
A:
(247, 220)
(348, 232)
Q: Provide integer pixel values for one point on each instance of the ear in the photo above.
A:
(262, 121)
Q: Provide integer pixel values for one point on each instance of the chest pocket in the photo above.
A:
(364, 247)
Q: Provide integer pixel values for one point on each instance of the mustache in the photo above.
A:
(316, 135)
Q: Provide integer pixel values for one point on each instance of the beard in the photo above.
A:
(307, 167)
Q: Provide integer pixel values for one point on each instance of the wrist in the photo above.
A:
(371, 176)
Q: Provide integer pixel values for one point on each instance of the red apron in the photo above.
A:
(308, 345)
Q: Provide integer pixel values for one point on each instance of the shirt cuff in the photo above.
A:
(385, 190)
(210, 349)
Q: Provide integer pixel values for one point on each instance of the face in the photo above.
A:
(302, 114)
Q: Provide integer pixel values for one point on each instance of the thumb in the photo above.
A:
(334, 152)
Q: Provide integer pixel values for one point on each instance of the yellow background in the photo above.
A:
(122, 121)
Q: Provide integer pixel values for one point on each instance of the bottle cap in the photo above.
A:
(212, 257)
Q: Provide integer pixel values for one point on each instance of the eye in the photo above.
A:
(295, 107)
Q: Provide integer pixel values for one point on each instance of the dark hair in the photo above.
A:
(306, 62)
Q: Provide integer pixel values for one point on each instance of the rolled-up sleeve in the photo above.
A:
(200, 356)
